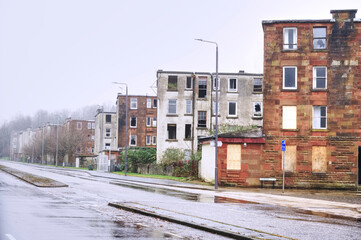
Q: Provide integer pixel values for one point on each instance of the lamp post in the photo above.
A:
(216, 140)
(126, 126)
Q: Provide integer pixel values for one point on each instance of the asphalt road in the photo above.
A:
(81, 211)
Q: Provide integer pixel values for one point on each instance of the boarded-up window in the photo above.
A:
(289, 117)
(233, 157)
(319, 163)
(290, 158)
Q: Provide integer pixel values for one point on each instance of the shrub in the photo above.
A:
(137, 156)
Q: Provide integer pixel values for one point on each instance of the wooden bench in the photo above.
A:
(273, 180)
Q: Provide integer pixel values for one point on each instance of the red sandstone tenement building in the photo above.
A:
(142, 121)
(312, 99)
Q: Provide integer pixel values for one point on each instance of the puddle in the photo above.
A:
(184, 195)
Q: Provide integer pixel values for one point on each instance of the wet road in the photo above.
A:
(81, 211)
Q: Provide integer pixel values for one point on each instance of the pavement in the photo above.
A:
(340, 204)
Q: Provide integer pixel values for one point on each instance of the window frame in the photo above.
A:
(174, 127)
(188, 129)
(149, 103)
(136, 122)
(154, 140)
(189, 106)
(191, 83)
(155, 103)
(133, 103)
(286, 43)
(148, 140)
(214, 107)
(172, 86)
(317, 124)
(315, 78)
(214, 83)
(202, 116)
(229, 85)
(173, 105)
(256, 87)
(235, 109)
(202, 79)
(130, 140)
(148, 122)
(254, 110)
(108, 118)
(284, 78)
(319, 38)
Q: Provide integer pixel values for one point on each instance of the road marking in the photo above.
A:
(10, 236)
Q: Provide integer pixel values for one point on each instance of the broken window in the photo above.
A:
(289, 117)
(202, 119)
(257, 85)
(188, 131)
(319, 38)
(319, 117)
(216, 82)
(289, 77)
(319, 159)
(108, 118)
(233, 157)
(188, 106)
(172, 106)
(133, 122)
(232, 85)
(319, 77)
(189, 84)
(257, 109)
(133, 103)
(107, 132)
(172, 83)
(172, 131)
(232, 108)
(202, 87)
(133, 140)
(290, 38)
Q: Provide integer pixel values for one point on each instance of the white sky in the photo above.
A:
(65, 54)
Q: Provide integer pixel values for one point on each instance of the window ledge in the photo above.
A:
(319, 50)
(171, 140)
(290, 130)
(290, 50)
(256, 92)
(202, 99)
(319, 90)
(187, 139)
(257, 118)
(172, 90)
(319, 130)
(171, 115)
(232, 117)
(188, 114)
(289, 90)
(233, 92)
(201, 128)
(188, 89)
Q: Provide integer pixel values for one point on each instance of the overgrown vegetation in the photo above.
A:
(224, 128)
(136, 156)
(184, 165)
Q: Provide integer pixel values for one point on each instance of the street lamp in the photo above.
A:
(126, 126)
(216, 140)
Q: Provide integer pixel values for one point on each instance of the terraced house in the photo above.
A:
(312, 99)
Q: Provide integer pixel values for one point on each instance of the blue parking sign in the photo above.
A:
(283, 145)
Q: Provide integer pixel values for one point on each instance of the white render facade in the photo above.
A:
(187, 106)
(106, 132)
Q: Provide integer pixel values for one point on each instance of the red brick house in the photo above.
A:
(239, 158)
(312, 99)
(142, 121)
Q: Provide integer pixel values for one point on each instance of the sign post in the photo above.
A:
(283, 149)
